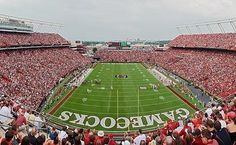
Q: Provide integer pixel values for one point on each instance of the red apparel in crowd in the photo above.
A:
(34, 72)
(4, 140)
(86, 137)
(184, 130)
(172, 124)
(163, 132)
(21, 120)
(197, 141)
(3, 103)
(97, 138)
(197, 122)
(148, 139)
(225, 108)
(231, 115)
(111, 141)
(213, 142)
(17, 108)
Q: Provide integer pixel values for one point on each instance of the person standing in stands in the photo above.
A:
(221, 120)
(25, 141)
(197, 140)
(8, 138)
(111, 140)
(38, 123)
(31, 117)
(209, 110)
(140, 137)
(52, 133)
(99, 138)
(32, 137)
(222, 134)
(40, 139)
(63, 134)
(5, 110)
(21, 120)
(231, 126)
(207, 138)
(177, 139)
(17, 136)
(153, 141)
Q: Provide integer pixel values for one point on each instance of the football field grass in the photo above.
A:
(104, 95)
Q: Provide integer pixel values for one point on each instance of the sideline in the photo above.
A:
(62, 101)
(177, 94)
(55, 108)
(183, 99)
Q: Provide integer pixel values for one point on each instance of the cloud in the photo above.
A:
(120, 19)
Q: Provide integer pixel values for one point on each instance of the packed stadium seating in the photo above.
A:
(123, 55)
(211, 70)
(214, 126)
(38, 39)
(224, 41)
(29, 75)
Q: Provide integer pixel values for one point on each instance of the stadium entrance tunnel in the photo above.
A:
(134, 122)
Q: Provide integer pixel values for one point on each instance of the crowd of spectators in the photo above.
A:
(224, 41)
(212, 70)
(32, 39)
(28, 75)
(214, 126)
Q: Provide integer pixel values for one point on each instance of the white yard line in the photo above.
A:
(152, 99)
(117, 105)
(133, 113)
(109, 102)
(138, 102)
(89, 105)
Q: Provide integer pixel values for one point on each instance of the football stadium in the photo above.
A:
(60, 91)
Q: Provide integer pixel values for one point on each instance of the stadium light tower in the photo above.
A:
(199, 29)
(233, 25)
(179, 30)
(209, 25)
(209, 28)
(38, 25)
(188, 29)
(221, 28)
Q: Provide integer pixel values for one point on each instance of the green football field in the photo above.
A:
(129, 99)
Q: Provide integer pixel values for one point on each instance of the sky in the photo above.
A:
(104, 20)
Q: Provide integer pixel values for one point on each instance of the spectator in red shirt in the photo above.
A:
(21, 121)
(8, 138)
(87, 134)
(207, 138)
(99, 138)
(111, 140)
(197, 140)
(185, 129)
(176, 139)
